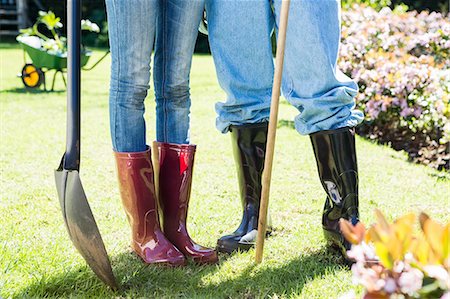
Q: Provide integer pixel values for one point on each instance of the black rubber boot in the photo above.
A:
(249, 148)
(336, 161)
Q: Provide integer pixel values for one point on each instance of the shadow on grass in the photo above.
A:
(139, 280)
(286, 123)
(440, 176)
(23, 90)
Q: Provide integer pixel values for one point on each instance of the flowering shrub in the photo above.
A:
(392, 262)
(401, 61)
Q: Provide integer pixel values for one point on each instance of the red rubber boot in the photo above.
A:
(175, 178)
(137, 190)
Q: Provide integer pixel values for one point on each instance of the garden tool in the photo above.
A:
(267, 174)
(80, 222)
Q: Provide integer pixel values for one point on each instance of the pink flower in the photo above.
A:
(406, 112)
(399, 267)
(417, 112)
(410, 281)
(356, 253)
(390, 286)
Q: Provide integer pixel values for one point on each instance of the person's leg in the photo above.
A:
(131, 33)
(239, 34)
(177, 32)
(312, 82)
(325, 98)
(175, 41)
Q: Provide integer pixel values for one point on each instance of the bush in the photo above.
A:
(376, 4)
(401, 63)
(436, 5)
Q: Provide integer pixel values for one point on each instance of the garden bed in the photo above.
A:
(401, 63)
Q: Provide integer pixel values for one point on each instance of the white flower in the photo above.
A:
(411, 281)
(399, 267)
(439, 273)
(356, 253)
(89, 26)
(390, 286)
(32, 41)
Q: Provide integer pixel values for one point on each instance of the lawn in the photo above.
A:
(37, 258)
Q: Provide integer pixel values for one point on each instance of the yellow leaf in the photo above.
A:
(423, 252)
(384, 225)
(383, 253)
(395, 249)
(446, 241)
(372, 235)
(404, 225)
(434, 235)
(422, 219)
(420, 249)
(382, 234)
(403, 230)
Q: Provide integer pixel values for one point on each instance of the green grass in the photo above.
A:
(37, 258)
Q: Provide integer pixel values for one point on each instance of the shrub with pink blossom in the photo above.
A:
(401, 61)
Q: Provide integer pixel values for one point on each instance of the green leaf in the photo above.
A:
(50, 20)
(27, 31)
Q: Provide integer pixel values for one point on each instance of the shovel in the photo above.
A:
(80, 222)
(273, 120)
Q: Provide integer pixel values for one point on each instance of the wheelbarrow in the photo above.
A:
(33, 74)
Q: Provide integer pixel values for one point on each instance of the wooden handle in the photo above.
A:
(270, 147)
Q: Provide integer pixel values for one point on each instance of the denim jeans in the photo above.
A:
(134, 26)
(239, 33)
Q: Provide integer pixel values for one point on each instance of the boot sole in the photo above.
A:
(204, 261)
(210, 259)
(231, 247)
(234, 248)
(163, 263)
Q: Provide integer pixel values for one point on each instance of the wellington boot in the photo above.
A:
(249, 147)
(176, 163)
(137, 190)
(336, 161)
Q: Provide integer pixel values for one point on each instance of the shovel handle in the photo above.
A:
(72, 155)
(271, 134)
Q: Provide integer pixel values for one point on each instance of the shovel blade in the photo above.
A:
(81, 225)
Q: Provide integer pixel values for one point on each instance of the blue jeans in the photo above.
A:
(239, 34)
(134, 25)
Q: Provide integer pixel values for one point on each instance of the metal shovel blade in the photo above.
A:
(81, 225)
